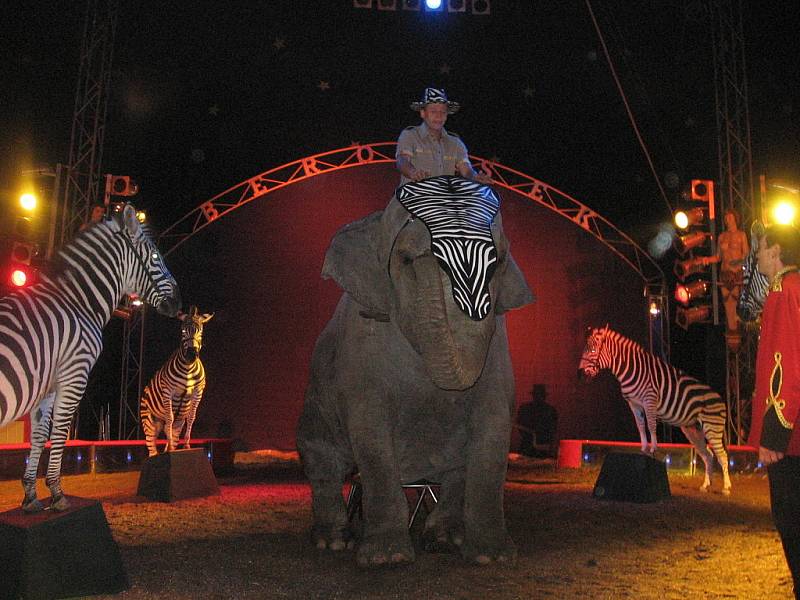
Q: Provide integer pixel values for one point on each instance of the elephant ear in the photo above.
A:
(352, 260)
(513, 290)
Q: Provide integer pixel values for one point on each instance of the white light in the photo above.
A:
(433, 4)
(783, 213)
(586, 457)
(668, 460)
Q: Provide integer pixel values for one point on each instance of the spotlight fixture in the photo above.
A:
(410, 4)
(434, 5)
(481, 7)
(457, 6)
(387, 4)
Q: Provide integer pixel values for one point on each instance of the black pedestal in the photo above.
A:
(632, 478)
(177, 475)
(59, 554)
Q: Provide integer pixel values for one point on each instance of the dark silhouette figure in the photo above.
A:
(537, 421)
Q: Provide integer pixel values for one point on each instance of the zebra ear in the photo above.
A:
(352, 260)
(513, 290)
(129, 220)
(206, 317)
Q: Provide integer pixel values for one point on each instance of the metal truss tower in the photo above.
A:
(82, 188)
(735, 183)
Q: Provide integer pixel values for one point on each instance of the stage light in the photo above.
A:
(387, 4)
(141, 216)
(28, 202)
(410, 4)
(481, 7)
(121, 185)
(690, 241)
(686, 292)
(433, 5)
(362, 3)
(783, 213)
(457, 6)
(688, 218)
(654, 309)
(692, 266)
(685, 317)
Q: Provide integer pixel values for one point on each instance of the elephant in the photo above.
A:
(405, 385)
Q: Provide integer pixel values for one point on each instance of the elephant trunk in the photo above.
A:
(453, 347)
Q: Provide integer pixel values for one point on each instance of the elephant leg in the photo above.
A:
(444, 527)
(40, 424)
(485, 536)
(326, 465)
(385, 538)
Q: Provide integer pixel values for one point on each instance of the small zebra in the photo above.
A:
(51, 333)
(171, 397)
(755, 284)
(656, 390)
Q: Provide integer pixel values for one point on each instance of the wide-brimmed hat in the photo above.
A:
(435, 96)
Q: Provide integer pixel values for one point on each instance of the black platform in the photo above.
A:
(59, 554)
(177, 475)
(632, 478)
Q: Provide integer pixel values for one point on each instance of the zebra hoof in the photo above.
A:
(726, 492)
(33, 506)
(59, 503)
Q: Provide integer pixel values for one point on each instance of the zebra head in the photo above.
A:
(754, 283)
(192, 333)
(458, 213)
(148, 277)
(590, 364)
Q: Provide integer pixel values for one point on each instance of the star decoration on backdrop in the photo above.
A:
(324, 86)
(444, 69)
(279, 43)
(213, 110)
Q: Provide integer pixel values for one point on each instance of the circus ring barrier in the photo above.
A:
(261, 274)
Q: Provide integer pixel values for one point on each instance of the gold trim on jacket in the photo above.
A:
(774, 399)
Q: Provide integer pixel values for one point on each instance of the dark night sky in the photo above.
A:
(208, 94)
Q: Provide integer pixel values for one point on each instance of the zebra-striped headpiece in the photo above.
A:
(458, 214)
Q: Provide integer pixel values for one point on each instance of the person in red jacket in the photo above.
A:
(777, 396)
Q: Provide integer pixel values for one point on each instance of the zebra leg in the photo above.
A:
(714, 435)
(150, 434)
(650, 409)
(190, 421)
(638, 415)
(169, 425)
(64, 407)
(40, 422)
(698, 440)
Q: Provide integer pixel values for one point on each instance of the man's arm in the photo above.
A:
(407, 168)
(467, 172)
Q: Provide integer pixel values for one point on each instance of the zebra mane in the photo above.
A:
(637, 346)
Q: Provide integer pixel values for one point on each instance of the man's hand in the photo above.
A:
(419, 175)
(767, 456)
(483, 177)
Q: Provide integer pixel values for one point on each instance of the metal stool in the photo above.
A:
(423, 488)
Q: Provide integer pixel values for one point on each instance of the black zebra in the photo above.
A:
(755, 284)
(656, 390)
(51, 332)
(458, 214)
(174, 392)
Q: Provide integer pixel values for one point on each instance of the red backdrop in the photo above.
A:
(259, 269)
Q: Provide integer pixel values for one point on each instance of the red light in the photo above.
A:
(19, 278)
(682, 294)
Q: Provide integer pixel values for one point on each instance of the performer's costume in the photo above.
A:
(776, 405)
(438, 157)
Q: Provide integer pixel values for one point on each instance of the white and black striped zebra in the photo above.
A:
(755, 284)
(171, 397)
(458, 214)
(656, 390)
(51, 333)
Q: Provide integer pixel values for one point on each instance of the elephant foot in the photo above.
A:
(443, 540)
(487, 554)
(388, 549)
(325, 538)
(59, 503)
